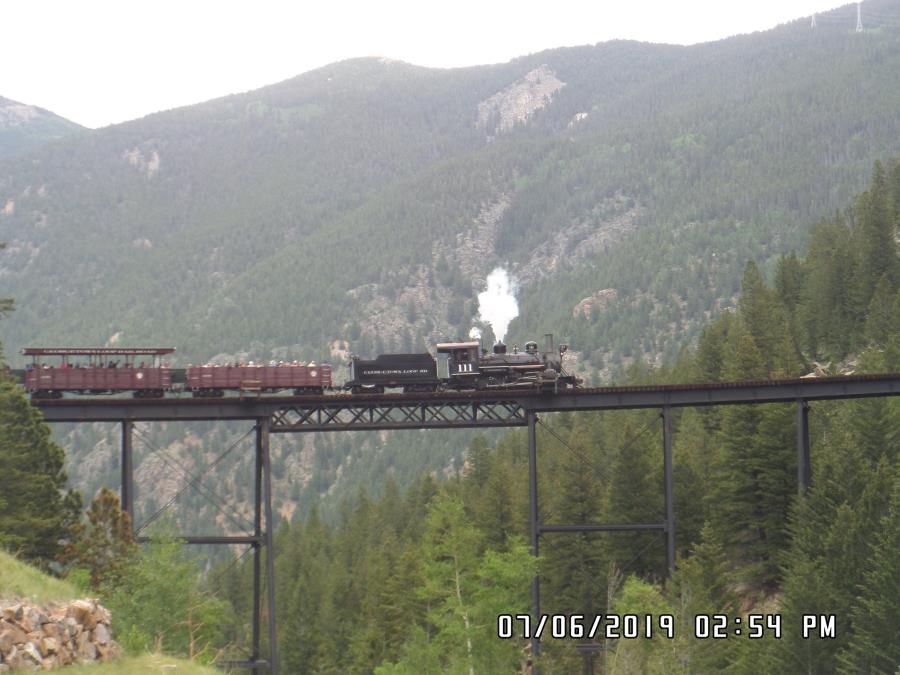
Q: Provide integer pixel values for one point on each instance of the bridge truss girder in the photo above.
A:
(352, 416)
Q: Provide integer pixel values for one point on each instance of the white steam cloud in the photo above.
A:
(497, 305)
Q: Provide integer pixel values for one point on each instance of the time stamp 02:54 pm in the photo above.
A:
(648, 626)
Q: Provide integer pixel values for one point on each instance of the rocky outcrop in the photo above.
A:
(608, 223)
(519, 101)
(594, 302)
(33, 637)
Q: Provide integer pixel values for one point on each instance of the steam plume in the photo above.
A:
(497, 305)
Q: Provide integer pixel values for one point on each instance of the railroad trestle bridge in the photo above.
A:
(483, 409)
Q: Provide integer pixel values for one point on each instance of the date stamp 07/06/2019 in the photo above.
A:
(648, 626)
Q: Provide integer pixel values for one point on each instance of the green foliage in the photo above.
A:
(35, 514)
(876, 615)
(105, 546)
(19, 579)
(465, 591)
(158, 604)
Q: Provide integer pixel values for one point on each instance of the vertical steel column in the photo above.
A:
(804, 469)
(127, 466)
(534, 525)
(263, 427)
(667, 471)
(257, 532)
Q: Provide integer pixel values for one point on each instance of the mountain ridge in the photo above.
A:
(24, 127)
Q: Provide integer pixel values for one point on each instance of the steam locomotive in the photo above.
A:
(459, 366)
(463, 366)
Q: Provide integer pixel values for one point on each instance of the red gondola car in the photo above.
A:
(309, 378)
(98, 370)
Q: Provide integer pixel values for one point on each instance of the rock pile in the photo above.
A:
(38, 638)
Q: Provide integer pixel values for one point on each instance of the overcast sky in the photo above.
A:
(99, 62)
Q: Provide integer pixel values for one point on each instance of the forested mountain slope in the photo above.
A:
(25, 127)
(367, 200)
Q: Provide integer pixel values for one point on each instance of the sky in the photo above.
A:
(99, 62)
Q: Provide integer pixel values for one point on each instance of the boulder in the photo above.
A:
(13, 658)
(87, 652)
(101, 634)
(83, 612)
(11, 633)
(49, 646)
(13, 612)
(30, 649)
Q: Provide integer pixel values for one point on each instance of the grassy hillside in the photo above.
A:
(18, 579)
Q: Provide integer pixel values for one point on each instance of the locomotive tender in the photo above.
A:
(460, 366)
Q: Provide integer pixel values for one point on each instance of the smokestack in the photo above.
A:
(499, 348)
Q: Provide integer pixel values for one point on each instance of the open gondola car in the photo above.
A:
(214, 380)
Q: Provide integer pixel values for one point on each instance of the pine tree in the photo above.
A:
(710, 348)
(450, 554)
(738, 499)
(574, 566)
(828, 312)
(768, 320)
(106, 545)
(875, 246)
(881, 324)
(789, 282)
(831, 547)
(759, 310)
(635, 496)
(874, 647)
(37, 516)
(493, 507)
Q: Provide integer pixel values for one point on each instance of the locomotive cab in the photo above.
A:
(462, 362)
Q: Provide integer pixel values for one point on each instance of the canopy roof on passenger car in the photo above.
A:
(97, 351)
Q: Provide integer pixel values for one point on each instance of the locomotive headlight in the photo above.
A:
(313, 373)
(139, 375)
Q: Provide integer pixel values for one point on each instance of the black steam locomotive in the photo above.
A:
(463, 366)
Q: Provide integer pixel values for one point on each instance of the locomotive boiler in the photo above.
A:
(470, 367)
